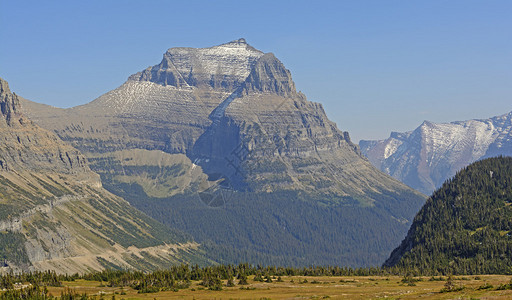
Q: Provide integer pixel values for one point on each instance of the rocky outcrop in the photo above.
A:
(269, 123)
(269, 75)
(222, 67)
(9, 102)
(28, 146)
(432, 153)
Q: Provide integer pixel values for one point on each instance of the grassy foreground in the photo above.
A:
(317, 287)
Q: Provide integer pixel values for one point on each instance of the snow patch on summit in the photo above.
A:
(391, 147)
(454, 141)
(220, 68)
(233, 59)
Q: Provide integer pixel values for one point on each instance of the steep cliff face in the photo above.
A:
(9, 102)
(235, 113)
(268, 75)
(55, 213)
(222, 67)
(274, 139)
(27, 146)
(432, 153)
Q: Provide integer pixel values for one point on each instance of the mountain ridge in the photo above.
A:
(55, 214)
(433, 152)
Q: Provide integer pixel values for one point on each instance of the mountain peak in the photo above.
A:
(433, 152)
(269, 75)
(240, 44)
(4, 87)
(240, 41)
(31, 147)
(222, 67)
(9, 102)
(427, 123)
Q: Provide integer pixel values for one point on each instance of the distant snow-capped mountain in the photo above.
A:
(426, 157)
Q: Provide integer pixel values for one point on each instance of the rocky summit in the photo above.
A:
(218, 142)
(223, 67)
(55, 214)
(432, 153)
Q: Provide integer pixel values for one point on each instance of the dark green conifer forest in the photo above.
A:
(465, 227)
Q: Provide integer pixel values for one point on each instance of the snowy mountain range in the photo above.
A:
(433, 152)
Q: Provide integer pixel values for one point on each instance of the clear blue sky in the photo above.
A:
(376, 66)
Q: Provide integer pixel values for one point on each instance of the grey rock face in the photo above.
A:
(432, 153)
(222, 67)
(27, 146)
(54, 207)
(269, 75)
(9, 102)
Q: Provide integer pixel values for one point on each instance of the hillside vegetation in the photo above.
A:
(465, 227)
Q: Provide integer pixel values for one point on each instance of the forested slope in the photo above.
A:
(465, 227)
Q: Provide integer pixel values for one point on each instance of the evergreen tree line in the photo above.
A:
(36, 292)
(179, 277)
(32, 285)
(465, 227)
